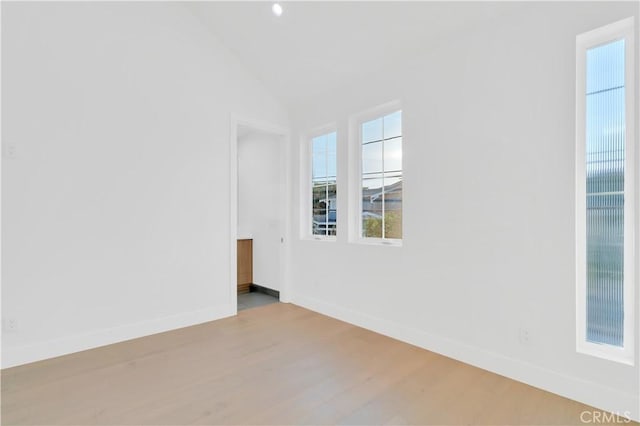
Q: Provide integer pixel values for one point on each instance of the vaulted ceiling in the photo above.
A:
(315, 47)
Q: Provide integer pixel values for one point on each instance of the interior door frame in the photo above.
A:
(234, 122)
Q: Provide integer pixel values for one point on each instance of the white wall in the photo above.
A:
(489, 139)
(261, 203)
(116, 207)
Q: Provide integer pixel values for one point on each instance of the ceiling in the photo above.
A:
(316, 47)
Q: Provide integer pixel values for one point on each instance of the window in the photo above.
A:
(323, 185)
(381, 177)
(604, 198)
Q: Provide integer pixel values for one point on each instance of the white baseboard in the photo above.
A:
(13, 356)
(574, 388)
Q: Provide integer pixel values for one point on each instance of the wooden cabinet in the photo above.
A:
(245, 265)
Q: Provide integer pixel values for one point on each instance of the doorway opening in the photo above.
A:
(259, 233)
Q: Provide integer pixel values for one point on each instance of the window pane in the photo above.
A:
(319, 144)
(605, 67)
(319, 167)
(331, 204)
(331, 142)
(372, 207)
(605, 251)
(392, 182)
(393, 155)
(331, 155)
(331, 165)
(393, 206)
(320, 209)
(605, 139)
(372, 130)
(319, 222)
(319, 195)
(319, 155)
(393, 224)
(393, 125)
(372, 157)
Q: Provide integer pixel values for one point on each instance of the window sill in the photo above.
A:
(607, 352)
(331, 239)
(378, 242)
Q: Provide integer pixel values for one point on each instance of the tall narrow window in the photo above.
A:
(324, 192)
(381, 140)
(605, 189)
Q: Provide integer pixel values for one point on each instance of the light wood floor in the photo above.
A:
(276, 364)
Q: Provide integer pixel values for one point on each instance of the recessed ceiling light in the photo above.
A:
(277, 9)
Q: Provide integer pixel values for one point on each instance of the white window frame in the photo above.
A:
(355, 174)
(306, 183)
(600, 36)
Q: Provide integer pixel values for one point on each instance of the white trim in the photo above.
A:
(306, 185)
(234, 122)
(623, 29)
(322, 238)
(571, 387)
(13, 356)
(233, 214)
(387, 242)
(355, 174)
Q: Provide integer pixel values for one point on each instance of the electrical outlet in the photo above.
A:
(9, 325)
(523, 336)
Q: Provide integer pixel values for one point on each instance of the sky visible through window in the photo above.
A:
(605, 153)
(324, 146)
(382, 150)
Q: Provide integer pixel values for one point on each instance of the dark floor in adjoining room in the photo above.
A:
(254, 299)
